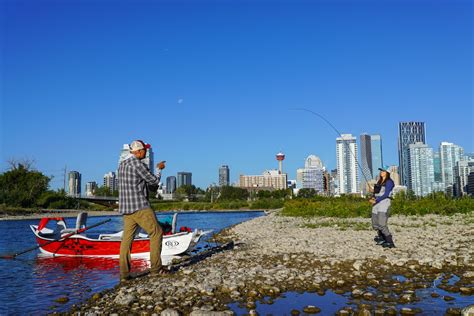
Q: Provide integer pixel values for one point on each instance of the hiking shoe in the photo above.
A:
(162, 271)
(388, 245)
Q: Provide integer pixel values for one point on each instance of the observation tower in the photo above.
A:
(280, 157)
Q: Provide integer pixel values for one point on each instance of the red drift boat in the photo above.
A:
(108, 245)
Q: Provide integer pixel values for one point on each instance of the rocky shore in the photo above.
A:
(275, 254)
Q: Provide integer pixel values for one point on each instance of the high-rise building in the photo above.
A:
(269, 180)
(148, 160)
(394, 175)
(224, 175)
(470, 184)
(421, 168)
(408, 133)
(74, 183)
(370, 156)
(90, 188)
(312, 175)
(111, 181)
(438, 176)
(313, 162)
(450, 154)
(461, 173)
(184, 178)
(346, 153)
(366, 156)
(377, 158)
(171, 184)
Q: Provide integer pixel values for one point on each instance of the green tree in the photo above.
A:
(307, 193)
(21, 186)
(105, 191)
(187, 190)
(228, 193)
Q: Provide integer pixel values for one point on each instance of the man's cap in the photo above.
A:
(138, 144)
(385, 168)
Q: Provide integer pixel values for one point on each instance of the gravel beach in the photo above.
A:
(275, 254)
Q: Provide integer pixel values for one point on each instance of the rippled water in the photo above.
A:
(31, 283)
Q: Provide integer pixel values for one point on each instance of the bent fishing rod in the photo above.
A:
(338, 133)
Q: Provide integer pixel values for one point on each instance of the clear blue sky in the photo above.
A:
(212, 82)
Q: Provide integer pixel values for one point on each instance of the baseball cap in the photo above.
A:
(385, 168)
(138, 144)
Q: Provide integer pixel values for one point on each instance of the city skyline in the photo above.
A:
(208, 83)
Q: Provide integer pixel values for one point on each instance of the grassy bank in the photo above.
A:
(347, 206)
(221, 205)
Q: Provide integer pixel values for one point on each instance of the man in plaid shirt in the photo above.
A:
(134, 179)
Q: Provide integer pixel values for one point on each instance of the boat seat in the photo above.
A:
(81, 221)
(118, 236)
(173, 223)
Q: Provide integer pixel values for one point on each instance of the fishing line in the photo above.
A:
(338, 133)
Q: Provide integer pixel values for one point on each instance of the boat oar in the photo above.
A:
(62, 238)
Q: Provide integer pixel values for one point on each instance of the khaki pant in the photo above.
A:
(146, 219)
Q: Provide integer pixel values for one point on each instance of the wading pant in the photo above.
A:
(379, 222)
(146, 219)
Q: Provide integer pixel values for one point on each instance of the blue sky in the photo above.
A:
(213, 82)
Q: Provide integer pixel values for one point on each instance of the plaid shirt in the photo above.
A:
(133, 177)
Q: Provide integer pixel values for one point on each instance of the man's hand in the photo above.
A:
(161, 165)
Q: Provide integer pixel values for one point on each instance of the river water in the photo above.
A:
(31, 283)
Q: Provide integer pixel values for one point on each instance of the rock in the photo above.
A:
(146, 298)
(468, 310)
(357, 293)
(368, 296)
(357, 265)
(468, 274)
(211, 313)
(340, 282)
(62, 300)
(405, 311)
(310, 309)
(124, 299)
(435, 295)
(169, 312)
(466, 290)
(406, 298)
(448, 298)
(253, 312)
(452, 311)
(295, 312)
(363, 312)
(96, 296)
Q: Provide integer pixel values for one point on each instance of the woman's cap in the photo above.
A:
(385, 168)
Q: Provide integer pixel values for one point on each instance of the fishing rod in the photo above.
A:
(338, 133)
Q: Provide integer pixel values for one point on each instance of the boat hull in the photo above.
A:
(82, 246)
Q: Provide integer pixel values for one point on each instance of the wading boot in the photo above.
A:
(379, 238)
(388, 242)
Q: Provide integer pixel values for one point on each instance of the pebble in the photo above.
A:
(169, 312)
(310, 309)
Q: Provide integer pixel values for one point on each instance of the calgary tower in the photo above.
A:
(280, 157)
